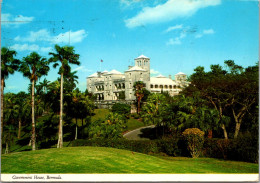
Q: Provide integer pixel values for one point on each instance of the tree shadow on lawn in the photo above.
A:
(151, 133)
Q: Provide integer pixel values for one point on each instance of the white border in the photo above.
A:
(129, 177)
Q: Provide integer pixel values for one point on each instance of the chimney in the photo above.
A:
(99, 74)
(170, 76)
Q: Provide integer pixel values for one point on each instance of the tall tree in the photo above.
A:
(33, 67)
(11, 112)
(8, 66)
(231, 92)
(139, 89)
(65, 55)
(44, 85)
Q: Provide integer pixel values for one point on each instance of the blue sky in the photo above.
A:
(177, 35)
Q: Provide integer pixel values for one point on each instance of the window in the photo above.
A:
(151, 86)
(156, 86)
(165, 86)
(161, 86)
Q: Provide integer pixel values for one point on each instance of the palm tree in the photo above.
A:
(8, 66)
(11, 112)
(139, 89)
(22, 100)
(44, 84)
(33, 67)
(65, 55)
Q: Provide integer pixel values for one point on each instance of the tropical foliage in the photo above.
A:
(195, 139)
(65, 55)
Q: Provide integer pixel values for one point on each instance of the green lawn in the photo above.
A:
(100, 114)
(131, 123)
(109, 160)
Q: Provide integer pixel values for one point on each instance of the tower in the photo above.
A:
(143, 62)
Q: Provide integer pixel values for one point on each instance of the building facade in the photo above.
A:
(115, 85)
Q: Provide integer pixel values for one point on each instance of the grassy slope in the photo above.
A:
(131, 123)
(109, 160)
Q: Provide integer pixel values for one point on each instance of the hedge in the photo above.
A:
(241, 149)
(169, 146)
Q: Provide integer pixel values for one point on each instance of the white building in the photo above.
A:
(114, 84)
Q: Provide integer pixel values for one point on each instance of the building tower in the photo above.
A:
(143, 62)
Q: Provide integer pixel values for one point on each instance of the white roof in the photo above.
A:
(105, 71)
(160, 76)
(180, 73)
(93, 75)
(161, 80)
(114, 72)
(135, 68)
(142, 56)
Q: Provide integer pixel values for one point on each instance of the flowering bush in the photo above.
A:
(195, 140)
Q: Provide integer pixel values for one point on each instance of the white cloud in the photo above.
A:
(208, 31)
(25, 47)
(23, 19)
(70, 37)
(168, 11)
(46, 49)
(9, 19)
(44, 35)
(173, 28)
(33, 47)
(177, 40)
(128, 2)
(41, 35)
(205, 32)
(11, 87)
(152, 71)
(81, 68)
(198, 35)
(174, 41)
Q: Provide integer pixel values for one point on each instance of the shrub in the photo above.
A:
(194, 138)
(123, 109)
(167, 146)
(244, 148)
(135, 116)
(223, 145)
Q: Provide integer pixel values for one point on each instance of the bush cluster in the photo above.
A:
(194, 138)
(169, 146)
(123, 109)
(240, 149)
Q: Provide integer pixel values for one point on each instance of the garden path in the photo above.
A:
(137, 134)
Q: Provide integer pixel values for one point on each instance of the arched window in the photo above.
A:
(156, 86)
(151, 86)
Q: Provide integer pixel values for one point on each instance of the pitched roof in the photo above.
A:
(142, 56)
(161, 81)
(113, 72)
(180, 73)
(105, 71)
(135, 68)
(160, 76)
(93, 75)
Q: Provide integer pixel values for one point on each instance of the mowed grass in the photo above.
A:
(131, 122)
(109, 160)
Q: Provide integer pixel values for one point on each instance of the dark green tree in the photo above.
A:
(8, 66)
(64, 55)
(33, 67)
